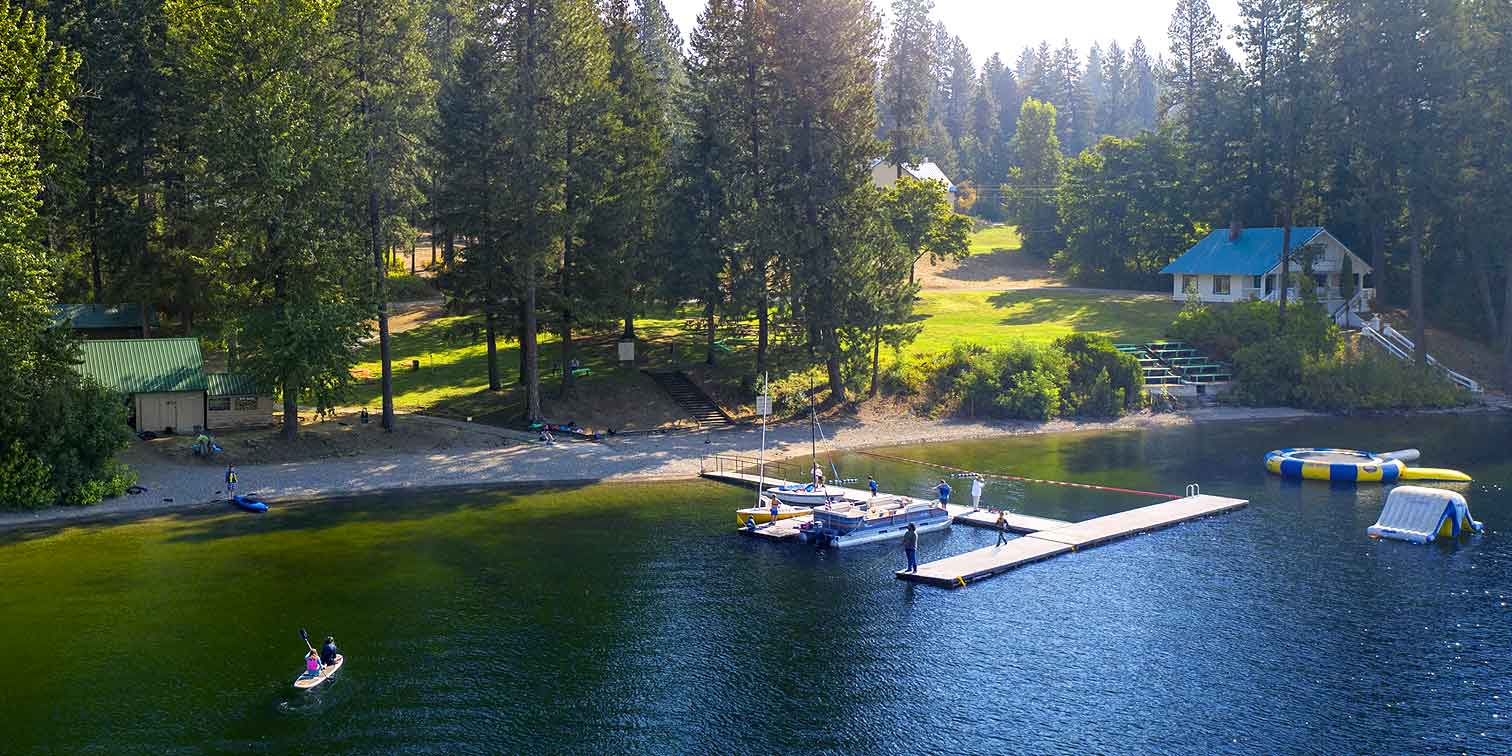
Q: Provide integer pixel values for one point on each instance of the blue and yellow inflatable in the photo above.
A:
(1350, 465)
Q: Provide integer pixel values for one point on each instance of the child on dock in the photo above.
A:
(1002, 528)
(872, 484)
(944, 489)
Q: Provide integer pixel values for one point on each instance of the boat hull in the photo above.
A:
(764, 514)
(879, 534)
(802, 497)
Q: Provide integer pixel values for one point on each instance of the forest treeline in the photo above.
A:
(246, 166)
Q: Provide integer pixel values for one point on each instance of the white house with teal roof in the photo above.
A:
(1236, 264)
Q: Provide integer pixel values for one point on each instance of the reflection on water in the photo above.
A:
(630, 618)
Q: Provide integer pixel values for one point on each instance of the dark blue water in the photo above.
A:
(631, 619)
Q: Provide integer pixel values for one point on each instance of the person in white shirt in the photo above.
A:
(976, 492)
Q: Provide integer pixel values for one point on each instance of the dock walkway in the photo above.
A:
(957, 571)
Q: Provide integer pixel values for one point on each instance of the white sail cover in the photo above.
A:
(1418, 514)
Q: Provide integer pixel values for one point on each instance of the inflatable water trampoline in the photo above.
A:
(1350, 465)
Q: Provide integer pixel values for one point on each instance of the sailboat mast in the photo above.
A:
(761, 457)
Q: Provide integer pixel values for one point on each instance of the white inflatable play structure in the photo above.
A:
(1418, 515)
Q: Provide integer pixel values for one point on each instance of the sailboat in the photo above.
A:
(813, 494)
(764, 511)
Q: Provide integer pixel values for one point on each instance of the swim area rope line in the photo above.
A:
(1001, 476)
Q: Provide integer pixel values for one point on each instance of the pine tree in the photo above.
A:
(1194, 35)
(1144, 95)
(1095, 85)
(822, 62)
(1113, 112)
(380, 43)
(907, 81)
(958, 93)
(1072, 106)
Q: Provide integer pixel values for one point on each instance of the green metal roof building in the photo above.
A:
(165, 383)
(99, 321)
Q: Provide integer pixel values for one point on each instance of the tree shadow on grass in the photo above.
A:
(1105, 314)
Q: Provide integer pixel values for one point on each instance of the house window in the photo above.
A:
(1255, 282)
(1221, 284)
(246, 404)
(1188, 284)
(219, 404)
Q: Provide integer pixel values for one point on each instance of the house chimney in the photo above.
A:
(1235, 228)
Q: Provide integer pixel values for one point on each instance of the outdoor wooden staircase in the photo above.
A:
(690, 397)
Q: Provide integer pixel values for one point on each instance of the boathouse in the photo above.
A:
(1236, 264)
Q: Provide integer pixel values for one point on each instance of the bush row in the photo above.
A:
(1078, 375)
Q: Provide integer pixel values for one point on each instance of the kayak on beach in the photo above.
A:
(249, 503)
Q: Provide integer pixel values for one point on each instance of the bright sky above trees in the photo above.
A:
(1006, 26)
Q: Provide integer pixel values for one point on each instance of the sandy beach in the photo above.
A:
(498, 458)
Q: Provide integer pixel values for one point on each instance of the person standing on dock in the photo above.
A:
(944, 489)
(818, 474)
(872, 484)
(976, 492)
(911, 548)
(1002, 528)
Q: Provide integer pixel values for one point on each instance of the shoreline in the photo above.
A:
(181, 488)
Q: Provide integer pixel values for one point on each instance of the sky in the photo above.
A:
(1007, 26)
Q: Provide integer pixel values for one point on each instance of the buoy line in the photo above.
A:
(1002, 476)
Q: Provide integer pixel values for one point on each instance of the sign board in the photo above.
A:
(627, 350)
(763, 405)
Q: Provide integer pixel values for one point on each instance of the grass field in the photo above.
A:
(996, 238)
(453, 373)
(996, 318)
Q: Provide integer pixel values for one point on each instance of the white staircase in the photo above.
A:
(1401, 347)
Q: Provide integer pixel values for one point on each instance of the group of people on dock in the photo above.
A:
(911, 536)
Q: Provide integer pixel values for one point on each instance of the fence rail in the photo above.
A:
(1401, 347)
(739, 463)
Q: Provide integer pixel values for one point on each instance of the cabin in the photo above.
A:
(99, 321)
(1236, 264)
(167, 390)
(163, 380)
(885, 174)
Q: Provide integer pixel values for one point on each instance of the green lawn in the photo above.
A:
(995, 318)
(453, 373)
(996, 238)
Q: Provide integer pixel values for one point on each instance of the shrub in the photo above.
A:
(25, 480)
(1352, 378)
(407, 288)
(113, 483)
(80, 427)
(790, 393)
(1102, 381)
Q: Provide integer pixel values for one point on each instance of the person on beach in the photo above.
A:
(1002, 528)
(976, 492)
(944, 489)
(872, 484)
(230, 480)
(911, 548)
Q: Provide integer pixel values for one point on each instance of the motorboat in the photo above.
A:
(883, 518)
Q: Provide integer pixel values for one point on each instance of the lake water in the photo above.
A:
(631, 619)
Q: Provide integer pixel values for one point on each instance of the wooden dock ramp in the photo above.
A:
(962, 569)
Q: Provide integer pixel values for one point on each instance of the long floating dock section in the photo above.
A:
(958, 571)
(980, 518)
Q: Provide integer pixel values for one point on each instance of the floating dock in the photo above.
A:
(959, 570)
(780, 530)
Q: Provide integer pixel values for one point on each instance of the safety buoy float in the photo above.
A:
(1353, 466)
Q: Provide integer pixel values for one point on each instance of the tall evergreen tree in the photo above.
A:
(1032, 187)
(1144, 95)
(1194, 34)
(907, 81)
(822, 61)
(1113, 111)
(380, 42)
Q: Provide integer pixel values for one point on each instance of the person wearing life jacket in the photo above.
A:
(230, 480)
(312, 664)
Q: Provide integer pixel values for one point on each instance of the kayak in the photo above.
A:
(250, 504)
(308, 680)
